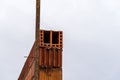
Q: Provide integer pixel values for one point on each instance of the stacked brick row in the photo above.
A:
(51, 38)
(50, 49)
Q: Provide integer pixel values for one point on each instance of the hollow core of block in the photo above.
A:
(46, 36)
(55, 38)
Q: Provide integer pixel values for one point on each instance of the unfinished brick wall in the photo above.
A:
(50, 57)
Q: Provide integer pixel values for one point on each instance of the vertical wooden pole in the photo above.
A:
(37, 40)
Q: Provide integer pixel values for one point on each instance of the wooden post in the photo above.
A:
(37, 37)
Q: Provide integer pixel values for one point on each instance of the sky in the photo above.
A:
(91, 36)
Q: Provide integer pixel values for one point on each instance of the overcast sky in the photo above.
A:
(91, 36)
